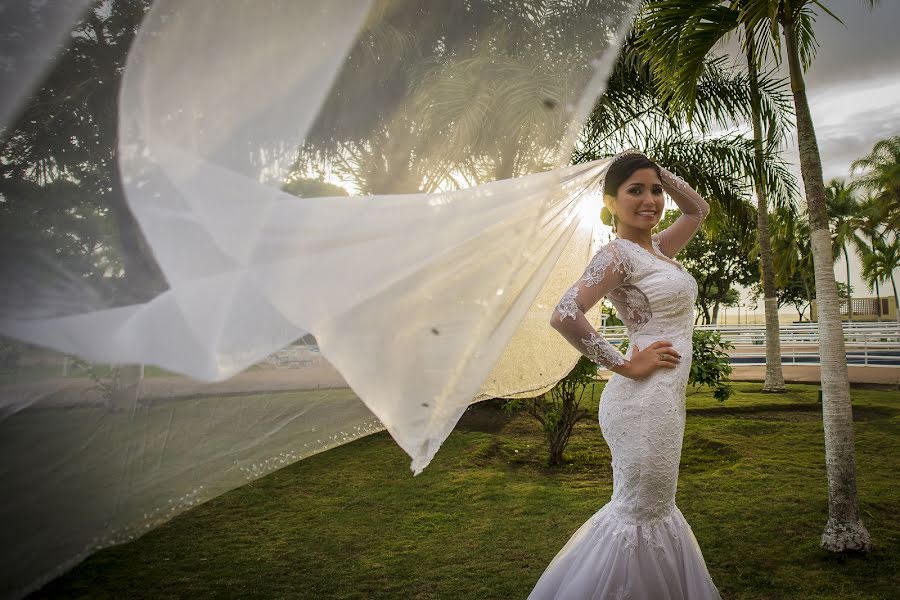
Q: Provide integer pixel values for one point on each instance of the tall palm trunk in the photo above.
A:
(849, 295)
(809, 296)
(896, 298)
(774, 374)
(877, 301)
(844, 530)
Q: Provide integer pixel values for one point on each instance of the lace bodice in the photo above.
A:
(653, 294)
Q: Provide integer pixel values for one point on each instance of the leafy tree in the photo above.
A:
(62, 195)
(794, 19)
(879, 173)
(612, 320)
(312, 188)
(427, 123)
(793, 259)
(634, 112)
(796, 292)
(697, 26)
(61, 156)
(880, 263)
(844, 216)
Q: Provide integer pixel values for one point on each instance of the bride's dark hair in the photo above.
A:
(623, 167)
(619, 171)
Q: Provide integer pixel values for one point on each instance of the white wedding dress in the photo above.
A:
(639, 545)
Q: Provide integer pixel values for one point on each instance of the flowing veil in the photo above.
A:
(357, 215)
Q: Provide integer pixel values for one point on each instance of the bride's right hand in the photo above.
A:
(644, 362)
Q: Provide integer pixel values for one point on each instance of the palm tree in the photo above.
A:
(880, 263)
(881, 176)
(791, 250)
(694, 27)
(678, 36)
(633, 113)
(872, 279)
(794, 19)
(872, 226)
(458, 98)
(844, 214)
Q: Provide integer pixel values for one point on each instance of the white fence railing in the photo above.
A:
(871, 344)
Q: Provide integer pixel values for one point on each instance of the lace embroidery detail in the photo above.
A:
(674, 180)
(658, 535)
(601, 351)
(567, 306)
(632, 305)
(608, 255)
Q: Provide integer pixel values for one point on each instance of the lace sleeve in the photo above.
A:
(606, 271)
(694, 209)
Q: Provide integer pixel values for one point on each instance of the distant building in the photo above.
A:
(865, 309)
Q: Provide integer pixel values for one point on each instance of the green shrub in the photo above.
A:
(711, 364)
(559, 409)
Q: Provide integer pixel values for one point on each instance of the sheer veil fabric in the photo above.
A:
(288, 325)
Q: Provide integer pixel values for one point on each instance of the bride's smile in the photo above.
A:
(639, 203)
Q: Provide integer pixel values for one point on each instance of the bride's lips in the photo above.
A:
(647, 214)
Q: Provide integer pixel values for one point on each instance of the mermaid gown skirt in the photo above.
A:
(639, 546)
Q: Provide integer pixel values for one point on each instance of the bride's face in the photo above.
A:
(640, 200)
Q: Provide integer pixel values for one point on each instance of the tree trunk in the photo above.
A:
(809, 297)
(849, 295)
(844, 530)
(896, 298)
(774, 374)
(505, 168)
(877, 301)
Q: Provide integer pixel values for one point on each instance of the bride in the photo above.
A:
(639, 545)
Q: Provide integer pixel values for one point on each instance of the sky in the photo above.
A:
(854, 83)
(853, 88)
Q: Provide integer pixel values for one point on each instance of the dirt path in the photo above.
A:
(68, 391)
(812, 374)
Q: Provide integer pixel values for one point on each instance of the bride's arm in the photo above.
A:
(693, 210)
(606, 271)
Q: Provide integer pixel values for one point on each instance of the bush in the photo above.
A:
(613, 319)
(559, 409)
(711, 364)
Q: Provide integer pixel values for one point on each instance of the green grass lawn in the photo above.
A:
(485, 518)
